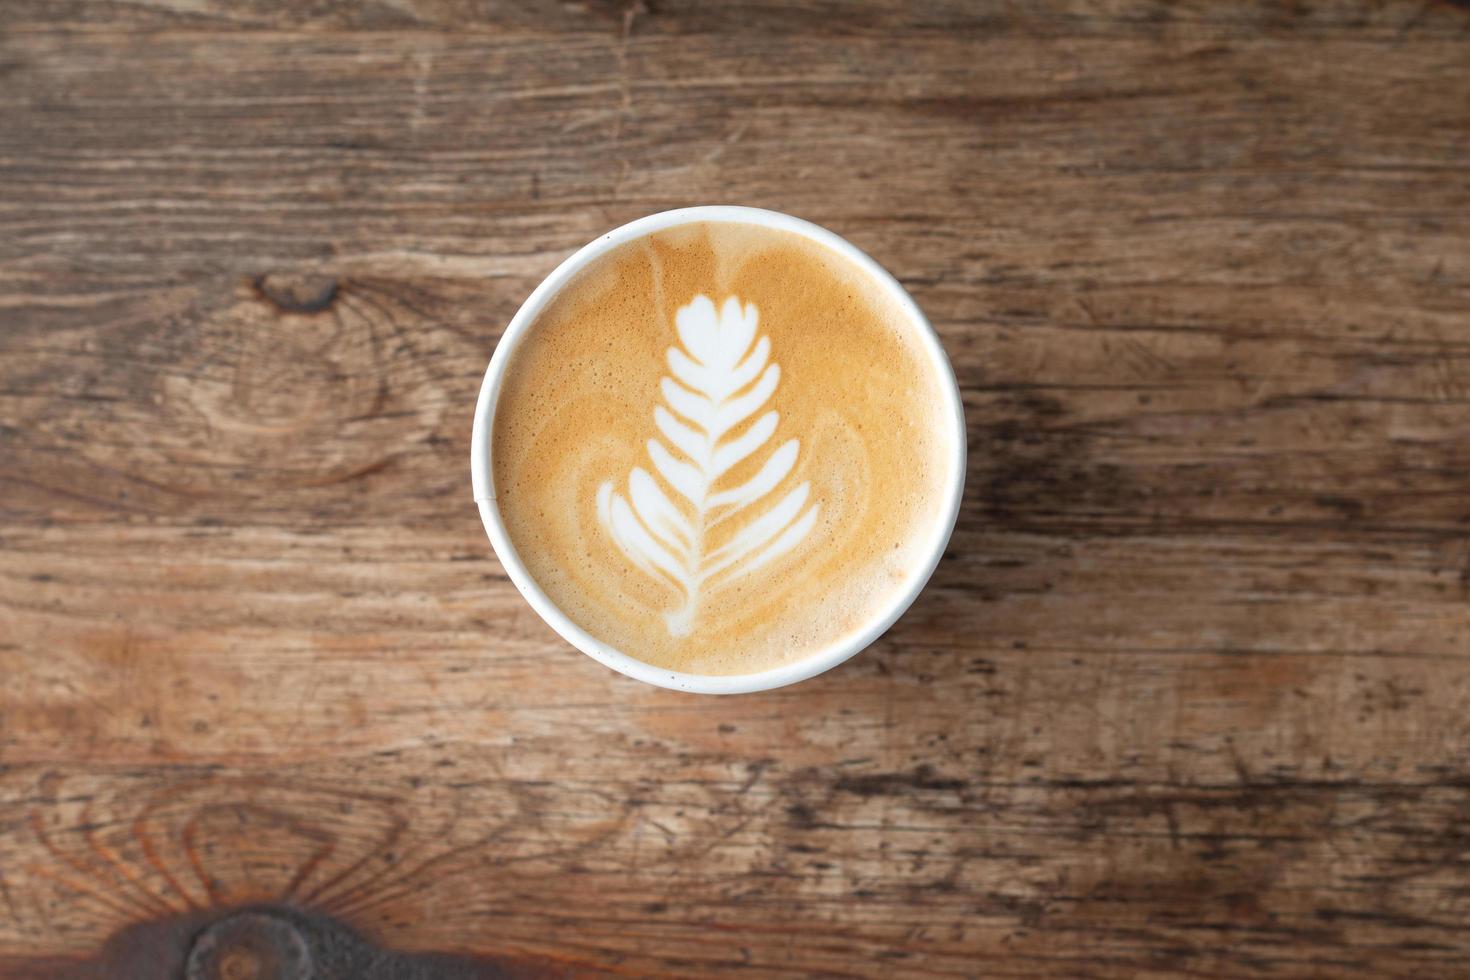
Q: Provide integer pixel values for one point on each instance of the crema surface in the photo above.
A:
(722, 448)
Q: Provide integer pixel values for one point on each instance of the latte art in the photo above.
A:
(720, 448)
(721, 378)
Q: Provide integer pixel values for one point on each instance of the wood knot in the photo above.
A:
(295, 293)
(250, 946)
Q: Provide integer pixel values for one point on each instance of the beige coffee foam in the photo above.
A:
(576, 410)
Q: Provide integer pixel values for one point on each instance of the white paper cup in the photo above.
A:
(482, 473)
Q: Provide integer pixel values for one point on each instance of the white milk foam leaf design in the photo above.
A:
(720, 379)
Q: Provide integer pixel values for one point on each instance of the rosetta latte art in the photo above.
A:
(721, 448)
(720, 379)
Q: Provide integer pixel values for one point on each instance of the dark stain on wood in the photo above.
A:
(897, 784)
(303, 295)
(279, 943)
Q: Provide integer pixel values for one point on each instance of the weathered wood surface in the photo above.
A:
(1189, 695)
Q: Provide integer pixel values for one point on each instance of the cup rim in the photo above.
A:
(481, 472)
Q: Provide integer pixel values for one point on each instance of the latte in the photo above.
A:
(723, 447)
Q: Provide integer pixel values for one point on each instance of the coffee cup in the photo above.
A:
(719, 450)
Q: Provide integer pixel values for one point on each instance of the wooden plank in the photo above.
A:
(1045, 18)
(1187, 695)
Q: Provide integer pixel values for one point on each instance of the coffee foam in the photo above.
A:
(607, 448)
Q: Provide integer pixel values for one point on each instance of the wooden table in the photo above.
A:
(1189, 695)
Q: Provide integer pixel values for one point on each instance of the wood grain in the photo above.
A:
(1188, 695)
